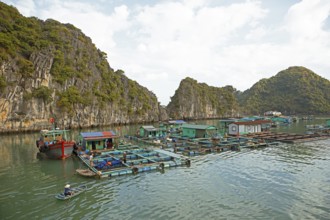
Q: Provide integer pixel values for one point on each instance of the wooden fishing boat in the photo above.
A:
(85, 172)
(54, 143)
(75, 192)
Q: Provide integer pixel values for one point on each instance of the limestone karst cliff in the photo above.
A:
(193, 100)
(49, 69)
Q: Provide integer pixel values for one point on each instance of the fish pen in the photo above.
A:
(290, 138)
(133, 161)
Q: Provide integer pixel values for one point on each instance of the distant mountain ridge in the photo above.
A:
(296, 90)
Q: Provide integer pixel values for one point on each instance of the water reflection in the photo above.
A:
(16, 150)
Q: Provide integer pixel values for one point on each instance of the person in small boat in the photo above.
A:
(67, 190)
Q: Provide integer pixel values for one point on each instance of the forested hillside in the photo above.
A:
(49, 69)
(296, 90)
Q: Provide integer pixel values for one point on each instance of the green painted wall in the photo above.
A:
(328, 122)
(189, 132)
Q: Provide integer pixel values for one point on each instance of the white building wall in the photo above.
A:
(233, 129)
(243, 129)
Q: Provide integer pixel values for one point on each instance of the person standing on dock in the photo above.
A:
(124, 157)
(91, 159)
(225, 137)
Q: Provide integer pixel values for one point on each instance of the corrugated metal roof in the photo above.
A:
(228, 120)
(98, 135)
(108, 133)
(91, 134)
(202, 127)
(148, 127)
(177, 122)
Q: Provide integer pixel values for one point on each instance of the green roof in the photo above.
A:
(149, 128)
(199, 127)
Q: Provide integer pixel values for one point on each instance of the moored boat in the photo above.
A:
(85, 172)
(55, 144)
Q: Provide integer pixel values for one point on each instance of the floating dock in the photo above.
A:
(112, 163)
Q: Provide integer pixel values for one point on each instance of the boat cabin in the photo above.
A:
(282, 119)
(246, 127)
(52, 136)
(198, 131)
(98, 140)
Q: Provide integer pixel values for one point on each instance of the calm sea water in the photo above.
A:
(279, 182)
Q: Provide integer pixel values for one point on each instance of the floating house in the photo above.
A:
(176, 123)
(198, 131)
(282, 119)
(150, 131)
(175, 126)
(254, 118)
(327, 122)
(272, 113)
(224, 125)
(246, 127)
(98, 140)
(172, 126)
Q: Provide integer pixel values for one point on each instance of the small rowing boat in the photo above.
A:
(85, 172)
(74, 192)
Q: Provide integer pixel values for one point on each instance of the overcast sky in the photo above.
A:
(218, 42)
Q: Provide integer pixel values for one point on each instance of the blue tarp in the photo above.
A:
(104, 164)
(91, 134)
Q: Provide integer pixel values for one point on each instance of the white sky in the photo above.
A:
(218, 42)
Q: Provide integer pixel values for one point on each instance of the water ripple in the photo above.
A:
(278, 182)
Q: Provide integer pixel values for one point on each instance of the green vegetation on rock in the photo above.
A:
(45, 58)
(198, 100)
(43, 93)
(57, 64)
(296, 90)
(3, 83)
